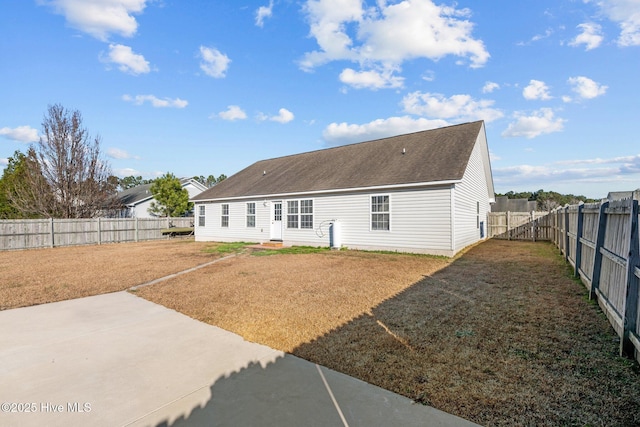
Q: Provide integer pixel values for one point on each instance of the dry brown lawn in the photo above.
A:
(47, 275)
(501, 335)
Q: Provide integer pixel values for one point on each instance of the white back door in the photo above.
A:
(276, 221)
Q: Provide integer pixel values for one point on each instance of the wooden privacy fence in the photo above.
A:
(601, 242)
(520, 226)
(48, 233)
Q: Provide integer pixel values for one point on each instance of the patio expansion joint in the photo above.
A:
(333, 399)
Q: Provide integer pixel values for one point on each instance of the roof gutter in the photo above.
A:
(335, 190)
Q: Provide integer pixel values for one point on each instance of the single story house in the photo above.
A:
(136, 201)
(424, 192)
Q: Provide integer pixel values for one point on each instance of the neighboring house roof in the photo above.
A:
(622, 195)
(438, 155)
(140, 193)
(136, 194)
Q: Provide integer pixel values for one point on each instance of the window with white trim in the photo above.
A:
(292, 214)
(300, 214)
(306, 213)
(251, 214)
(380, 212)
(224, 218)
(201, 220)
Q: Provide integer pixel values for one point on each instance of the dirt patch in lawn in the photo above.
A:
(47, 275)
(501, 336)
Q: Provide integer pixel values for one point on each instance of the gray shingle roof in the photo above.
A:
(429, 156)
(142, 192)
(135, 194)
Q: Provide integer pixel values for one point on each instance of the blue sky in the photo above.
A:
(209, 87)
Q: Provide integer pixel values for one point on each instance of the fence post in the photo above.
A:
(578, 237)
(533, 225)
(99, 232)
(135, 234)
(52, 234)
(566, 233)
(631, 306)
(597, 257)
(508, 229)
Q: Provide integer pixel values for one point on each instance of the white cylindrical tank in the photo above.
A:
(335, 235)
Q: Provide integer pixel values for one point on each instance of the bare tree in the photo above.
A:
(67, 177)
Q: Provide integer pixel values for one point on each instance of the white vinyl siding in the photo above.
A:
(236, 219)
(471, 201)
(419, 222)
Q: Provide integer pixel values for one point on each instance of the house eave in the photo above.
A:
(335, 191)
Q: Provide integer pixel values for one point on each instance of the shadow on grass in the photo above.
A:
(502, 336)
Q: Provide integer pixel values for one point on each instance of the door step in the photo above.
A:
(273, 244)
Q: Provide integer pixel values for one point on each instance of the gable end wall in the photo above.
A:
(468, 193)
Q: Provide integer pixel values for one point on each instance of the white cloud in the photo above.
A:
(284, 116)
(371, 79)
(214, 63)
(490, 87)
(116, 153)
(344, 133)
(155, 101)
(536, 90)
(232, 113)
(127, 172)
(264, 12)
(628, 160)
(591, 36)
(540, 122)
(429, 76)
(537, 175)
(608, 173)
(127, 60)
(4, 162)
(388, 34)
(458, 108)
(548, 32)
(100, 18)
(586, 88)
(20, 133)
(627, 14)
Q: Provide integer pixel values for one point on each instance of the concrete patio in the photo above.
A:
(119, 360)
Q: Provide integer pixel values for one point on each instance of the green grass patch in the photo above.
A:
(227, 248)
(293, 250)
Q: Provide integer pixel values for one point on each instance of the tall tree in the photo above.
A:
(211, 180)
(171, 199)
(132, 181)
(24, 192)
(13, 179)
(66, 172)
